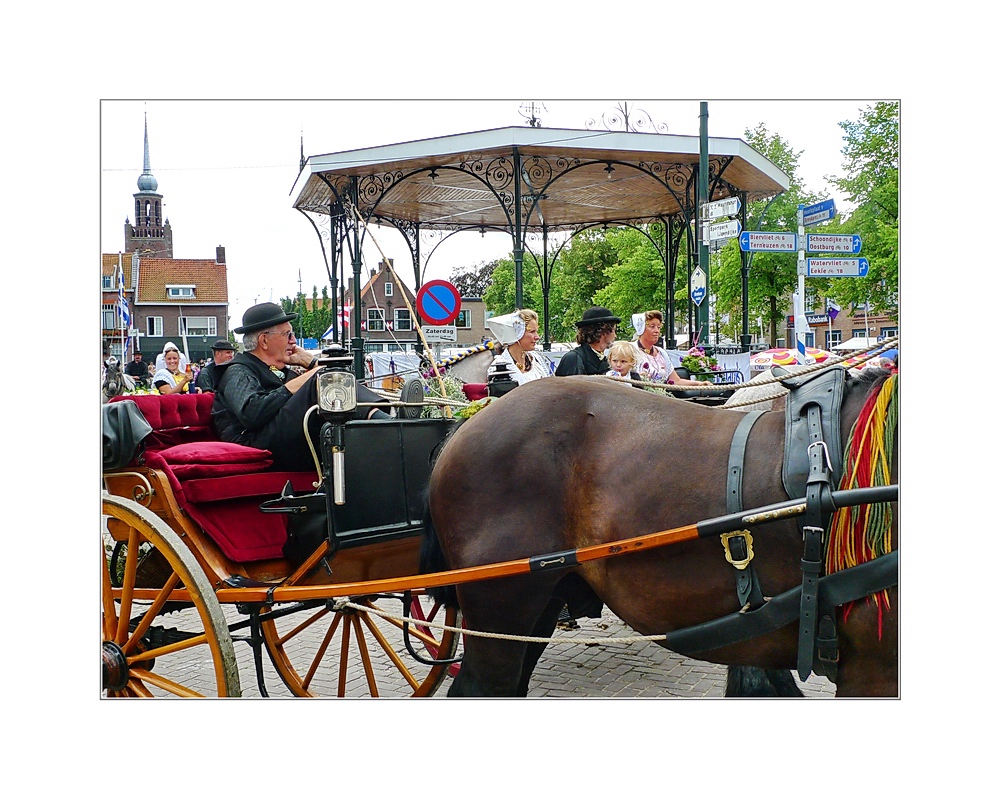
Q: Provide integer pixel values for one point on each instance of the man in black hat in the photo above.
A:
(260, 402)
(222, 352)
(137, 369)
(595, 333)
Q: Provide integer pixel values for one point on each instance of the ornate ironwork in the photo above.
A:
(530, 110)
(629, 120)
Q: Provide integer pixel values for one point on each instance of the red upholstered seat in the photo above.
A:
(219, 484)
(474, 391)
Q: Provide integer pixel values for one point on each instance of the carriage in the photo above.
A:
(205, 546)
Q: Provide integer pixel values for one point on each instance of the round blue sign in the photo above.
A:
(438, 302)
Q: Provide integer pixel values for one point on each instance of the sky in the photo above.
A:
(225, 169)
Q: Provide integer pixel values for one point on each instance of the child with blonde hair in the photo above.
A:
(622, 359)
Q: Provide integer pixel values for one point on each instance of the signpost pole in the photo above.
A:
(744, 281)
(701, 314)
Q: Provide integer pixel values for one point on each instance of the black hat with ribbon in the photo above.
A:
(598, 315)
(263, 315)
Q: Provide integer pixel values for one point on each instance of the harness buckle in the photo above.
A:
(744, 544)
(813, 529)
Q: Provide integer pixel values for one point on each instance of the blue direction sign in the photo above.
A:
(438, 302)
(819, 212)
(754, 241)
(819, 243)
(836, 267)
(699, 286)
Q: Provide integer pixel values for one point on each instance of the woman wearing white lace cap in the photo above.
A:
(519, 332)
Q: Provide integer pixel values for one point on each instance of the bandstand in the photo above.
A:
(530, 183)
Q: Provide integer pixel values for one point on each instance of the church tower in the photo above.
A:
(151, 235)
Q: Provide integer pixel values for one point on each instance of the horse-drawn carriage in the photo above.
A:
(206, 545)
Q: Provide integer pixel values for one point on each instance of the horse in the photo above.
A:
(114, 381)
(557, 465)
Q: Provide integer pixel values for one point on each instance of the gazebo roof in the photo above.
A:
(569, 178)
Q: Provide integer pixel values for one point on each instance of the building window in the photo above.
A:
(180, 291)
(198, 326)
(833, 338)
(889, 332)
(108, 322)
(859, 332)
(376, 320)
(464, 319)
(388, 290)
(402, 320)
(107, 282)
(154, 326)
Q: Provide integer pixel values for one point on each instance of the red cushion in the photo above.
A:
(211, 490)
(214, 453)
(474, 391)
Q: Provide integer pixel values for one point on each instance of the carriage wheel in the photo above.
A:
(144, 652)
(346, 652)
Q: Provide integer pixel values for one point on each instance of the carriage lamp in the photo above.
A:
(336, 392)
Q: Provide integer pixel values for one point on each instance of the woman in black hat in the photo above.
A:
(594, 335)
(260, 402)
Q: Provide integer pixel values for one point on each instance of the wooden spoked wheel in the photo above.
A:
(333, 651)
(154, 646)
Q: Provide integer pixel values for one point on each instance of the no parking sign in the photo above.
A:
(438, 302)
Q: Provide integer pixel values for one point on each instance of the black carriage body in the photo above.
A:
(387, 468)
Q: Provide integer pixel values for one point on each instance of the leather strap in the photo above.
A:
(747, 585)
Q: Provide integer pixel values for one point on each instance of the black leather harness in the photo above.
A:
(811, 464)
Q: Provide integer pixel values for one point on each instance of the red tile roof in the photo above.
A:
(207, 276)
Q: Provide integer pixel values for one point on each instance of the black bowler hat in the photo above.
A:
(263, 315)
(598, 315)
(223, 344)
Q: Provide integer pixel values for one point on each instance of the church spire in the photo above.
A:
(146, 182)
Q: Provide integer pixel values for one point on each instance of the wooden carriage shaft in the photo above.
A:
(558, 560)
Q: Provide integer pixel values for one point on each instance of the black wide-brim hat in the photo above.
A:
(223, 344)
(598, 315)
(263, 315)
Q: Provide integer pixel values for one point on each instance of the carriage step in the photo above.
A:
(243, 582)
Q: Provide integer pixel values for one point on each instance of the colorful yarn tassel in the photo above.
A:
(862, 533)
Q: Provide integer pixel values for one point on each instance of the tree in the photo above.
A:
(871, 164)
(315, 316)
(773, 276)
(475, 280)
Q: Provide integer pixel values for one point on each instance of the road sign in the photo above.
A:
(818, 243)
(699, 286)
(438, 302)
(727, 207)
(440, 333)
(724, 230)
(752, 241)
(819, 212)
(836, 267)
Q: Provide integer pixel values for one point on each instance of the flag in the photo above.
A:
(801, 329)
(122, 302)
(344, 317)
(832, 309)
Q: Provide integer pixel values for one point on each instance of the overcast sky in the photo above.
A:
(225, 169)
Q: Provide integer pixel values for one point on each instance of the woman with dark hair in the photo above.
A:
(594, 335)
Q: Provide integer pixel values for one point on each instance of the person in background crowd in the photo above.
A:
(160, 360)
(137, 369)
(653, 363)
(622, 358)
(222, 352)
(260, 401)
(172, 379)
(594, 335)
(518, 331)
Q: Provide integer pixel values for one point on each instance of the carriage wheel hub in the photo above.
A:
(114, 667)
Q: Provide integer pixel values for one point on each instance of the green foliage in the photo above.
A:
(313, 321)
(871, 163)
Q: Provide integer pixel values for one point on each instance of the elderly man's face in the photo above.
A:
(222, 356)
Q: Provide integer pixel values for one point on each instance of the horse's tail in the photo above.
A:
(757, 682)
(432, 560)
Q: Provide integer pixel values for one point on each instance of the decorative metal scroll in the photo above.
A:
(629, 120)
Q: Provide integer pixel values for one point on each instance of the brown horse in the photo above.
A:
(565, 463)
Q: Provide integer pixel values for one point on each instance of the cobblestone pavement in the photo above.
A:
(568, 668)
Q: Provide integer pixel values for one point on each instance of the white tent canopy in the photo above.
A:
(857, 343)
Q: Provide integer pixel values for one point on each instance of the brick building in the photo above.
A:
(182, 300)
